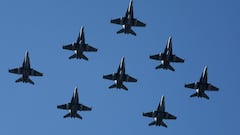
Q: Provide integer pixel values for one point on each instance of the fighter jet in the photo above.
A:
(79, 47)
(74, 106)
(201, 86)
(120, 77)
(166, 57)
(128, 21)
(159, 115)
(25, 71)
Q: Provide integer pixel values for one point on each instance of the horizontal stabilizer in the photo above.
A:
(30, 81)
(67, 115)
(120, 31)
(152, 123)
(124, 87)
(78, 116)
(164, 124)
(73, 56)
(194, 95)
(112, 86)
(202, 95)
(132, 32)
(205, 96)
(84, 57)
(21, 80)
(165, 67)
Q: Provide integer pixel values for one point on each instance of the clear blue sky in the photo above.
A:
(205, 32)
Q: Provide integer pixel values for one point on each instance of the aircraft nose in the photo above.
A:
(75, 91)
(26, 53)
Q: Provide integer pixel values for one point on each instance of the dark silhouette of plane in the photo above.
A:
(159, 115)
(25, 71)
(79, 47)
(120, 77)
(128, 21)
(201, 86)
(166, 57)
(74, 106)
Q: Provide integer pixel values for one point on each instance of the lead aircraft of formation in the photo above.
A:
(128, 21)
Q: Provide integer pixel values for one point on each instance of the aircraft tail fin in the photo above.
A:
(165, 67)
(21, 80)
(67, 115)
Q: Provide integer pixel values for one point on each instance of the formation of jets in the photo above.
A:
(80, 46)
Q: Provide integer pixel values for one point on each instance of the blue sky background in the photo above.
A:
(204, 32)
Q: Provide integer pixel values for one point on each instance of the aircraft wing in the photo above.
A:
(84, 108)
(89, 48)
(177, 59)
(16, 71)
(69, 47)
(110, 76)
(148, 114)
(138, 23)
(35, 73)
(156, 57)
(212, 88)
(191, 86)
(170, 116)
(128, 78)
(117, 21)
(64, 106)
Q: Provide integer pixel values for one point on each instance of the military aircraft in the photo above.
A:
(166, 57)
(74, 106)
(159, 115)
(25, 71)
(201, 86)
(128, 21)
(120, 77)
(79, 47)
